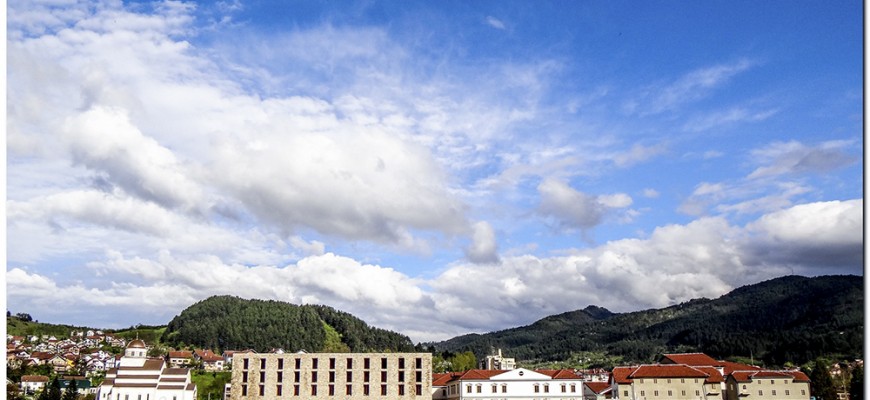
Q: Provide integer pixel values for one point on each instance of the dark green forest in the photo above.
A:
(785, 320)
(228, 322)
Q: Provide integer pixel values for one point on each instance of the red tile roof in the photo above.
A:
(478, 374)
(667, 371)
(747, 376)
(730, 367)
(180, 354)
(620, 375)
(34, 378)
(713, 375)
(799, 376)
(558, 373)
(442, 379)
(692, 359)
(597, 387)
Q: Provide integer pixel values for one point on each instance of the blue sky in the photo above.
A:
(436, 168)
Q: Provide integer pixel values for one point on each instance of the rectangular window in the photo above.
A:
(332, 363)
(296, 390)
(786, 392)
(682, 380)
(262, 363)
(365, 390)
(383, 376)
(366, 376)
(349, 363)
(349, 377)
(574, 388)
(383, 390)
(262, 376)
(280, 363)
(504, 388)
(564, 389)
(298, 363)
(546, 388)
(331, 376)
(655, 393)
(314, 363)
(642, 393)
(313, 376)
(244, 390)
(760, 392)
(468, 388)
(244, 376)
(383, 363)
(348, 390)
(670, 393)
(296, 376)
(401, 390)
(494, 388)
(366, 363)
(537, 388)
(803, 392)
(401, 363)
(625, 393)
(280, 376)
(418, 389)
(418, 377)
(262, 390)
(278, 390)
(314, 390)
(773, 392)
(697, 393)
(479, 388)
(683, 393)
(418, 363)
(332, 390)
(401, 376)
(245, 364)
(669, 380)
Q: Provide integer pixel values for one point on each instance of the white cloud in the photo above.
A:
(484, 246)
(726, 117)
(782, 158)
(573, 209)
(495, 22)
(650, 193)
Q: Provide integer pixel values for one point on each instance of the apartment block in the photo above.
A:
(330, 376)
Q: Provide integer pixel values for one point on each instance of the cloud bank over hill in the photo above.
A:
(158, 155)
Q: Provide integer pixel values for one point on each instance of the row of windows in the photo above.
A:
(279, 376)
(348, 364)
(330, 390)
(670, 393)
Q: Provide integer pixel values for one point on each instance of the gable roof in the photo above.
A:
(713, 375)
(729, 367)
(598, 387)
(667, 371)
(34, 378)
(559, 373)
(692, 359)
(478, 374)
(180, 354)
(620, 375)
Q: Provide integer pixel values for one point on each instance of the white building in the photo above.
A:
(516, 384)
(497, 361)
(138, 377)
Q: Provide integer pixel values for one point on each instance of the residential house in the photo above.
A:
(83, 384)
(210, 361)
(597, 390)
(31, 384)
(182, 358)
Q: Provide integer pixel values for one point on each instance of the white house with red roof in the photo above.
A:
(478, 384)
(597, 390)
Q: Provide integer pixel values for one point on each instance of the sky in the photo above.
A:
(433, 167)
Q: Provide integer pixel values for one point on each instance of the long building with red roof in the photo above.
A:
(693, 376)
(520, 383)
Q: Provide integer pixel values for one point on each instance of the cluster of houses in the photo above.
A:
(388, 376)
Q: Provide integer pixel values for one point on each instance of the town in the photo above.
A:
(82, 366)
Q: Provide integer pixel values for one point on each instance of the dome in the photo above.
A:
(136, 344)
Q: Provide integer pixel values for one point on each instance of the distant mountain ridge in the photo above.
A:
(789, 319)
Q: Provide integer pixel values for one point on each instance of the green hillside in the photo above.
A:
(790, 319)
(228, 322)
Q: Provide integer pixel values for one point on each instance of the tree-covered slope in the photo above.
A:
(789, 319)
(228, 322)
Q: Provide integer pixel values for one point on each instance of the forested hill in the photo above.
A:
(228, 322)
(789, 319)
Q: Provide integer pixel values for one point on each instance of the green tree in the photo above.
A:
(463, 361)
(71, 392)
(51, 391)
(821, 384)
(856, 386)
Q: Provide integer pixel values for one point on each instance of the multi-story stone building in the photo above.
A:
(330, 376)
(785, 385)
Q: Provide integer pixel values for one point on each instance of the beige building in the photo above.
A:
(329, 376)
(785, 385)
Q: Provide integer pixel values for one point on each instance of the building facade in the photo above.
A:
(516, 384)
(331, 376)
(138, 377)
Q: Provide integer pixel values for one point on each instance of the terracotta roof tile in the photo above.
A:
(729, 367)
(34, 378)
(620, 375)
(180, 354)
(713, 375)
(597, 387)
(558, 373)
(478, 374)
(667, 371)
(691, 359)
